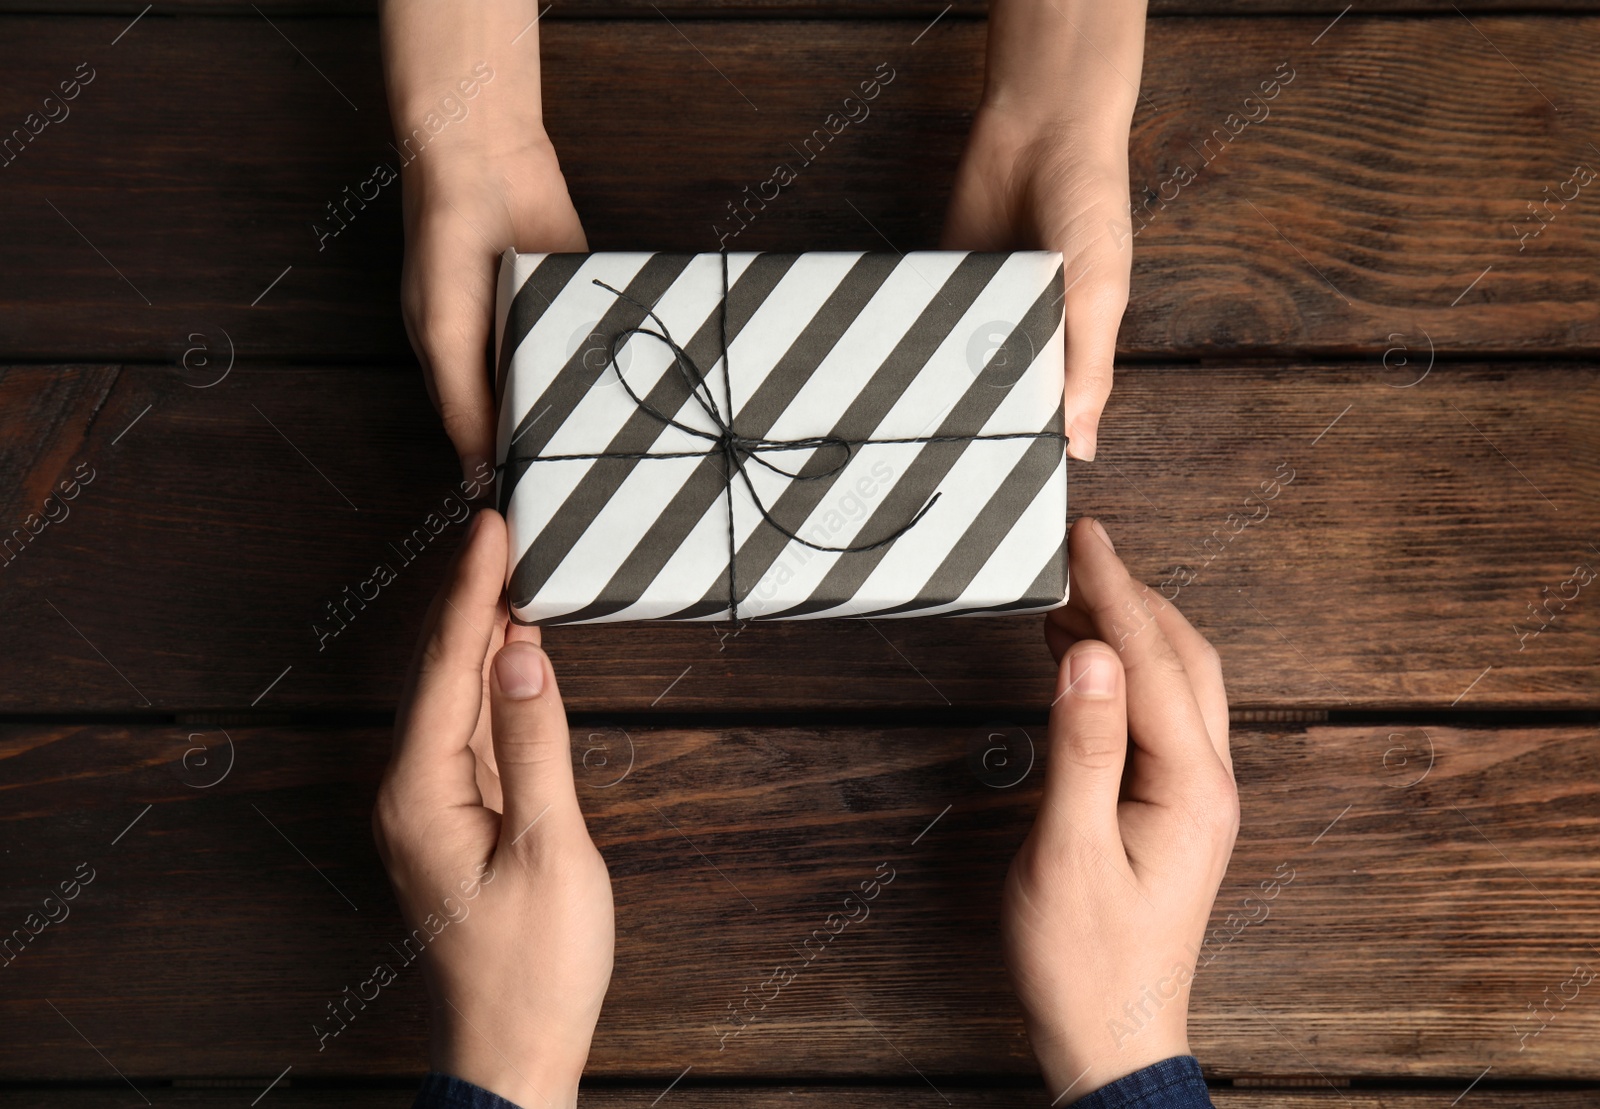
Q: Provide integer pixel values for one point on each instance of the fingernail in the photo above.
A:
(1104, 538)
(520, 671)
(1080, 443)
(1093, 674)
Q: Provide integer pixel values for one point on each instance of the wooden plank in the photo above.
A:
(1411, 531)
(795, 9)
(286, 1096)
(1388, 182)
(43, 419)
(1434, 882)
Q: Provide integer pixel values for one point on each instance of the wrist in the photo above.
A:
(484, 119)
(1055, 62)
(473, 163)
(527, 1078)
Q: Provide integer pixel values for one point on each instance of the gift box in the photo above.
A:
(781, 436)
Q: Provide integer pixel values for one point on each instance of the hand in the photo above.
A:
(1107, 902)
(478, 175)
(478, 824)
(1046, 167)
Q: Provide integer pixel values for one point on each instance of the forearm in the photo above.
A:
(1046, 56)
(461, 76)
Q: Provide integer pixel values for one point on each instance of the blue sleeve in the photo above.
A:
(1173, 1083)
(441, 1091)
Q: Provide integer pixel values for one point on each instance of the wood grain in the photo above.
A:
(794, 9)
(1385, 183)
(1361, 243)
(1433, 882)
(43, 420)
(1394, 568)
(287, 1096)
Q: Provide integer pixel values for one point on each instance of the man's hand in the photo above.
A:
(1046, 167)
(478, 824)
(1107, 902)
(479, 175)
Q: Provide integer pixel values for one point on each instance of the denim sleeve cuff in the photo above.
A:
(1174, 1083)
(442, 1091)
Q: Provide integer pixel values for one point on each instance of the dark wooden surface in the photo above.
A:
(803, 9)
(1393, 571)
(286, 1096)
(1341, 293)
(1387, 177)
(1470, 852)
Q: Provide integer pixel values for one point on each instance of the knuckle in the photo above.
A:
(1168, 659)
(556, 860)
(528, 743)
(1100, 298)
(437, 329)
(1107, 291)
(448, 325)
(1215, 810)
(458, 416)
(566, 867)
(434, 653)
(1093, 749)
(388, 820)
(413, 290)
(411, 310)
(1092, 378)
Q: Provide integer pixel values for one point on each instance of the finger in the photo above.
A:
(488, 775)
(1200, 659)
(531, 747)
(525, 633)
(522, 633)
(1062, 625)
(443, 698)
(449, 307)
(1204, 666)
(1095, 302)
(1164, 717)
(1088, 747)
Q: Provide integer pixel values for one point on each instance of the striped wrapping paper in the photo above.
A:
(859, 346)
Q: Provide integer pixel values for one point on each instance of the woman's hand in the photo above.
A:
(1107, 902)
(479, 175)
(478, 824)
(1046, 167)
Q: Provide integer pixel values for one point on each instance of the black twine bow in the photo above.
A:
(736, 449)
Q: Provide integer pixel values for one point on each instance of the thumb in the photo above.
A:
(1093, 314)
(531, 746)
(448, 306)
(1088, 747)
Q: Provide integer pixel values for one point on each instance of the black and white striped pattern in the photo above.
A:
(860, 346)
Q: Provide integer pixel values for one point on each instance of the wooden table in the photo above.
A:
(1347, 291)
